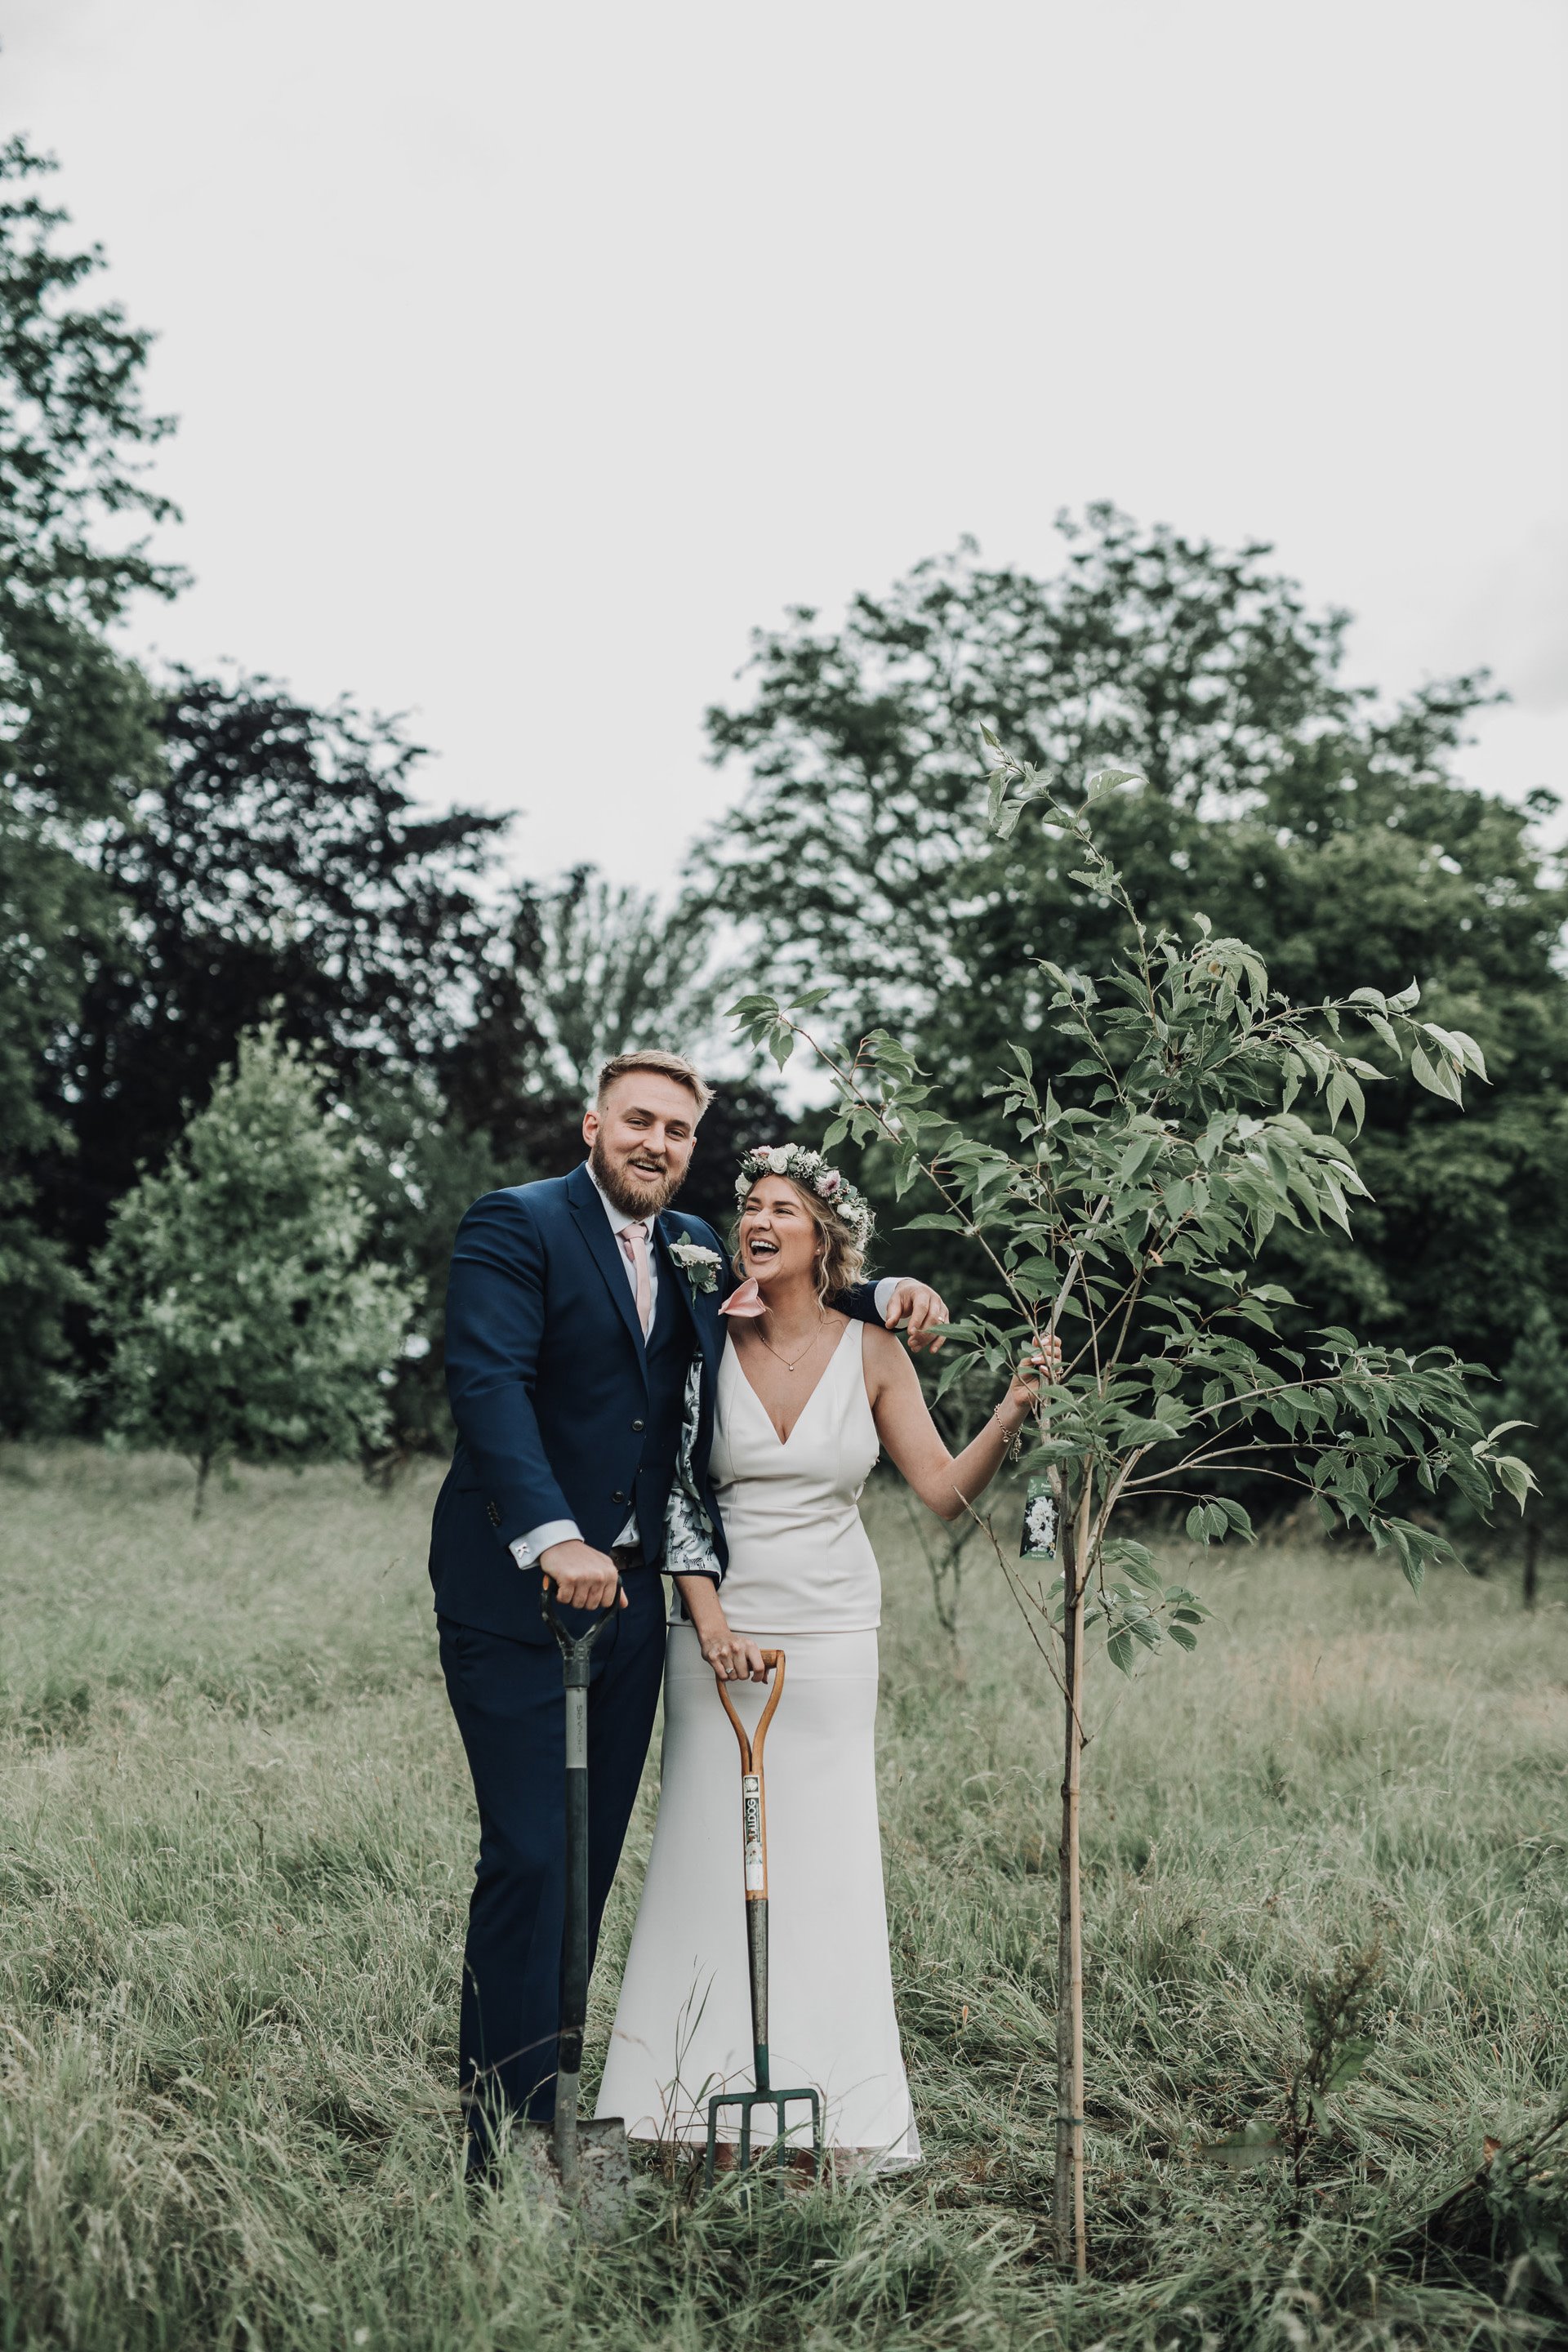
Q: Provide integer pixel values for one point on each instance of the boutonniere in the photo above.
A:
(699, 1266)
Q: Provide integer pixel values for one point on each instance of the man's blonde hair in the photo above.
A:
(667, 1066)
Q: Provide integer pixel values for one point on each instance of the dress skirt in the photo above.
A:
(683, 2026)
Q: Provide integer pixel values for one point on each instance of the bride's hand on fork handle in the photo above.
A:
(731, 1655)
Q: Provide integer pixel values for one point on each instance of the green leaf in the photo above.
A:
(1517, 1477)
(1135, 1559)
(1470, 1054)
(1348, 2060)
(1344, 1093)
(1119, 1650)
(1438, 1078)
(1137, 1160)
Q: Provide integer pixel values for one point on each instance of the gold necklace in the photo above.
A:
(806, 1352)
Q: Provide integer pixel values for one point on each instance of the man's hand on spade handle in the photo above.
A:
(583, 1578)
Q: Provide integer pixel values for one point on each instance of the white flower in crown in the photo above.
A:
(699, 1266)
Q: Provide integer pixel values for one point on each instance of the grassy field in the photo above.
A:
(235, 1848)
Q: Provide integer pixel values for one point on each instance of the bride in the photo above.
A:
(807, 1399)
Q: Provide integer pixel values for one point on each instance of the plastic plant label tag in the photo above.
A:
(1039, 1539)
(751, 1831)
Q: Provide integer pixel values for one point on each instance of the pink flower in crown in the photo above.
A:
(830, 1184)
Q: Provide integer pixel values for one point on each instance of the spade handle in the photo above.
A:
(751, 1749)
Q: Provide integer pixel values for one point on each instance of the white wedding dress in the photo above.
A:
(801, 1578)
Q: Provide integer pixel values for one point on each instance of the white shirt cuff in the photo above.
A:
(526, 1550)
(881, 1296)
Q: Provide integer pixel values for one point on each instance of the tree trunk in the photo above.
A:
(1532, 1560)
(1068, 2201)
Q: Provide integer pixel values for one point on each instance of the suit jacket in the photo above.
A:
(563, 1411)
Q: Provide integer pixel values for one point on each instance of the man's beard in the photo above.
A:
(661, 1191)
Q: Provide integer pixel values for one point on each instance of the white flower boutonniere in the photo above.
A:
(699, 1266)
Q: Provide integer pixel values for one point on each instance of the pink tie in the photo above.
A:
(634, 1241)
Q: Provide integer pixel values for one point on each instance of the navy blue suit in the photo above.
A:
(564, 1411)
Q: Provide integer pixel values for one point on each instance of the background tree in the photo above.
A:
(242, 1320)
(574, 973)
(1535, 1392)
(273, 866)
(1128, 1211)
(418, 1170)
(614, 967)
(1278, 800)
(76, 722)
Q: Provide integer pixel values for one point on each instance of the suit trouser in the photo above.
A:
(509, 1700)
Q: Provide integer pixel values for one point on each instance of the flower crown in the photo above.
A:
(811, 1171)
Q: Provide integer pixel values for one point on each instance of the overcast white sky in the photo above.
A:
(528, 354)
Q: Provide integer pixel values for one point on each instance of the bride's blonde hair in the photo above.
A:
(840, 1257)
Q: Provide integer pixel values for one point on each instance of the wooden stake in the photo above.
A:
(1069, 2200)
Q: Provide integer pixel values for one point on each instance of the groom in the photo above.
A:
(575, 1309)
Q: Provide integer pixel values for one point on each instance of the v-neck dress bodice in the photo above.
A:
(800, 1560)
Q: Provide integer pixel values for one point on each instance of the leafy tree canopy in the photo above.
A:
(1277, 799)
(77, 735)
(275, 862)
(73, 426)
(242, 1318)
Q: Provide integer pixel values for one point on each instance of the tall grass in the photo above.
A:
(235, 1849)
